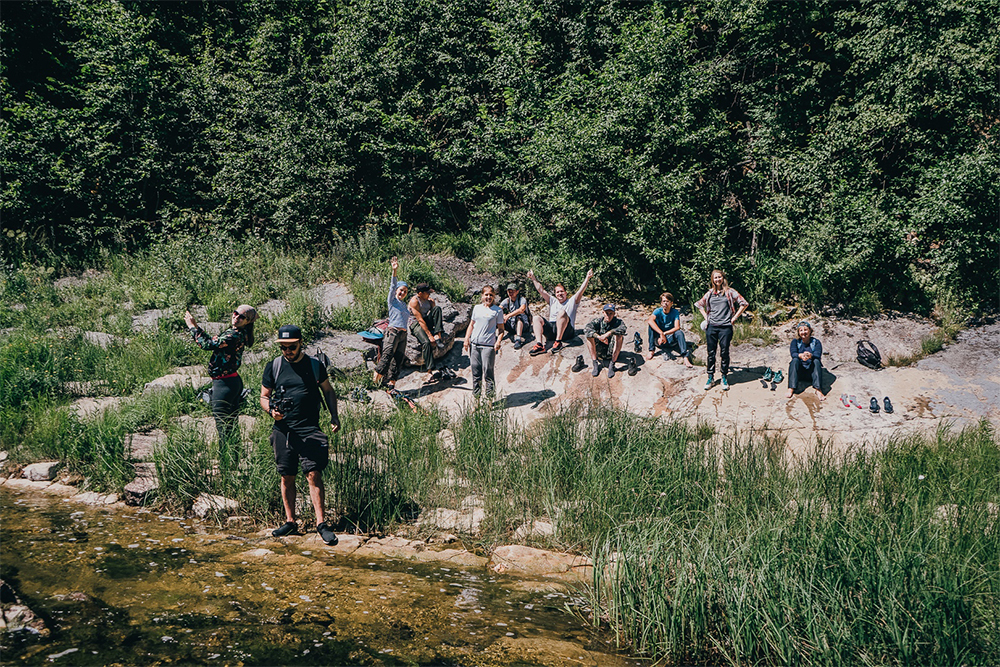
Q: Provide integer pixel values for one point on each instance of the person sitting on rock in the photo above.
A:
(807, 353)
(292, 389)
(394, 343)
(561, 325)
(664, 329)
(515, 314)
(598, 335)
(427, 325)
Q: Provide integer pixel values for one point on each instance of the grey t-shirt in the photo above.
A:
(719, 311)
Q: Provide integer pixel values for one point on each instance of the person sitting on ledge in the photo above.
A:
(426, 324)
(561, 325)
(515, 314)
(598, 334)
(806, 360)
(664, 330)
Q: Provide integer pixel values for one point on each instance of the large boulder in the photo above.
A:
(144, 486)
(454, 316)
(44, 471)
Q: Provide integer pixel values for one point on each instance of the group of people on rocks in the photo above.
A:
(295, 385)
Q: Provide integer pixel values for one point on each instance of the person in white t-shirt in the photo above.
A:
(482, 341)
(561, 324)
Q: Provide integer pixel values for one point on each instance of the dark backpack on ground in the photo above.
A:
(868, 355)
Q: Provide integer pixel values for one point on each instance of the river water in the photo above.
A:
(130, 587)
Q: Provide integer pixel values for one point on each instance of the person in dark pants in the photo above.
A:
(807, 353)
(482, 341)
(297, 439)
(227, 386)
(426, 324)
(721, 307)
(394, 343)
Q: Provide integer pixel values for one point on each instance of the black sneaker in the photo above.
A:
(579, 365)
(873, 406)
(888, 406)
(632, 368)
(611, 369)
(637, 343)
(518, 343)
(287, 528)
(326, 533)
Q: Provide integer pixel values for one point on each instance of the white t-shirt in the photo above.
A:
(569, 307)
(484, 324)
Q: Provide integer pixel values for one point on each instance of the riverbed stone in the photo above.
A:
(528, 561)
(91, 406)
(144, 486)
(534, 529)
(43, 471)
(141, 445)
(207, 503)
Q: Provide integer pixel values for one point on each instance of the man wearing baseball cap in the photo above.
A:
(515, 314)
(301, 382)
(598, 334)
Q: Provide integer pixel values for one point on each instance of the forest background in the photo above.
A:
(835, 153)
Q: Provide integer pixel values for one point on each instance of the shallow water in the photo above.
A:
(130, 587)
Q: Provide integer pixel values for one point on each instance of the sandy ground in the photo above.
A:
(957, 386)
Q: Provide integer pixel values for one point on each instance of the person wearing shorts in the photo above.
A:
(561, 325)
(298, 441)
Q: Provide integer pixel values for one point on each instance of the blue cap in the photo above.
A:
(610, 306)
(401, 284)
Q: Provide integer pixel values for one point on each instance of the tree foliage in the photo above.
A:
(830, 152)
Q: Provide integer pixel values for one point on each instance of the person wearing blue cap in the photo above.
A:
(394, 344)
(807, 353)
(598, 334)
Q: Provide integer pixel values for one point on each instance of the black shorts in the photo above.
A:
(311, 447)
(549, 331)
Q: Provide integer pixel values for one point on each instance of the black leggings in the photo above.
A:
(227, 395)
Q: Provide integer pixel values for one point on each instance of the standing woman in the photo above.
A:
(394, 343)
(227, 386)
(721, 307)
(482, 341)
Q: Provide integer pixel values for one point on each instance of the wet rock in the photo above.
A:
(455, 318)
(207, 503)
(256, 554)
(528, 561)
(144, 486)
(44, 471)
(15, 616)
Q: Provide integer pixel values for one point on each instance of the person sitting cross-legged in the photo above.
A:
(604, 337)
(664, 329)
(807, 353)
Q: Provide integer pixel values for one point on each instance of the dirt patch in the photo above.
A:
(467, 274)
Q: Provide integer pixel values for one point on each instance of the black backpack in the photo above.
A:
(868, 355)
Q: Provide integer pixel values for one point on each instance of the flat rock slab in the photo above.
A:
(144, 486)
(332, 295)
(938, 387)
(104, 340)
(141, 445)
(343, 347)
(89, 406)
(207, 503)
(531, 562)
(188, 376)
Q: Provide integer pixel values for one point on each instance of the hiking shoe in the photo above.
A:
(768, 374)
(611, 369)
(632, 368)
(537, 349)
(370, 354)
(557, 347)
(778, 377)
(440, 344)
(579, 365)
(888, 406)
(287, 528)
(725, 383)
(873, 406)
(637, 343)
(326, 533)
(709, 382)
(597, 368)
(518, 343)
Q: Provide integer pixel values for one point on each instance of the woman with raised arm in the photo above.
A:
(223, 366)
(394, 343)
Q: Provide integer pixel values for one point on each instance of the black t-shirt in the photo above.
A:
(302, 392)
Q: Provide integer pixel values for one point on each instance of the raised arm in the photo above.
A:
(538, 286)
(586, 281)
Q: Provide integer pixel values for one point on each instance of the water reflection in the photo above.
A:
(132, 587)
